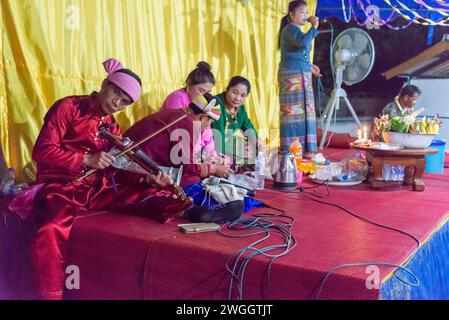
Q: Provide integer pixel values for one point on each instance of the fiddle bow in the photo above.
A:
(136, 155)
(139, 157)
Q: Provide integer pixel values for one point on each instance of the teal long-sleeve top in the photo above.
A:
(295, 48)
(227, 125)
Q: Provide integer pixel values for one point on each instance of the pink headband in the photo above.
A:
(122, 80)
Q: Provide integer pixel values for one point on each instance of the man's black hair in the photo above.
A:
(409, 90)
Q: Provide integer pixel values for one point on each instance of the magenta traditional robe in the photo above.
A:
(70, 130)
(179, 99)
(163, 148)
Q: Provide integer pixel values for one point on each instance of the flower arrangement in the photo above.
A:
(408, 123)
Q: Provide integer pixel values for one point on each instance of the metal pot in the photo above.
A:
(283, 168)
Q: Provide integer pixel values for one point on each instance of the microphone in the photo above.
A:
(214, 181)
(319, 20)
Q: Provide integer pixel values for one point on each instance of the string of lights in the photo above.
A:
(398, 9)
(380, 22)
(343, 7)
(441, 11)
(418, 17)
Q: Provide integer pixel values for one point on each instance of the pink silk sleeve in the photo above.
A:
(207, 144)
(175, 100)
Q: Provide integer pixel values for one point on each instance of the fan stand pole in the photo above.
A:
(334, 104)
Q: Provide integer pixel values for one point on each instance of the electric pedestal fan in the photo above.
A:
(352, 60)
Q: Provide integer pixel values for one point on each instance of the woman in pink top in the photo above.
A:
(199, 81)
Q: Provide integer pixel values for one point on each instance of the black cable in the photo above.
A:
(274, 208)
(362, 218)
(325, 182)
(308, 195)
(266, 224)
(311, 196)
(299, 190)
(321, 196)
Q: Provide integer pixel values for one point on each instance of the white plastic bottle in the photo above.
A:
(260, 171)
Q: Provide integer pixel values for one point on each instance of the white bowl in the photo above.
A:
(409, 140)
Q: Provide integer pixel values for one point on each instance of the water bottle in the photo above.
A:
(394, 173)
(386, 172)
(260, 171)
(401, 173)
(398, 173)
(296, 150)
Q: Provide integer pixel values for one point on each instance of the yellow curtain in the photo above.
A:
(54, 48)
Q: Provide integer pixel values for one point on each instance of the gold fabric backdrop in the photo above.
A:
(54, 48)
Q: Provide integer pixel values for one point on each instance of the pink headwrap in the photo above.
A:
(122, 80)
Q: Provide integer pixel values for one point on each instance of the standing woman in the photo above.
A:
(297, 104)
(199, 81)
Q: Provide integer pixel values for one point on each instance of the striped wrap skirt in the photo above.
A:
(297, 109)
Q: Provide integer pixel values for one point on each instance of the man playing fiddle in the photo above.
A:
(68, 145)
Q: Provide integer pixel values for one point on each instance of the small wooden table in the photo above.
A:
(412, 159)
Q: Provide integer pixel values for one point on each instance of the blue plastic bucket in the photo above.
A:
(435, 162)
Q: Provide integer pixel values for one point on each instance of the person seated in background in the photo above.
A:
(404, 103)
(233, 119)
(199, 82)
(68, 145)
(174, 147)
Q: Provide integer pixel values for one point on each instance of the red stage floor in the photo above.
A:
(133, 258)
(128, 257)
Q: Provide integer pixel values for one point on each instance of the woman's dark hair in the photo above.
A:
(409, 90)
(201, 74)
(132, 74)
(292, 6)
(239, 80)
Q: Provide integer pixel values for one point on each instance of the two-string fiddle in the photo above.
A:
(140, 157)
(129, 150)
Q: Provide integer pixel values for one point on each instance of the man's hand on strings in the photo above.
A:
(162, 179)
(220, 170)
(100, 160)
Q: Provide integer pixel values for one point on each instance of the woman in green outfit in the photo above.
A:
(234, 123)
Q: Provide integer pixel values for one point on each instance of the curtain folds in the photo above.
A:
(54, 48)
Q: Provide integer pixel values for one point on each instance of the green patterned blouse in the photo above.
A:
(228, 125)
